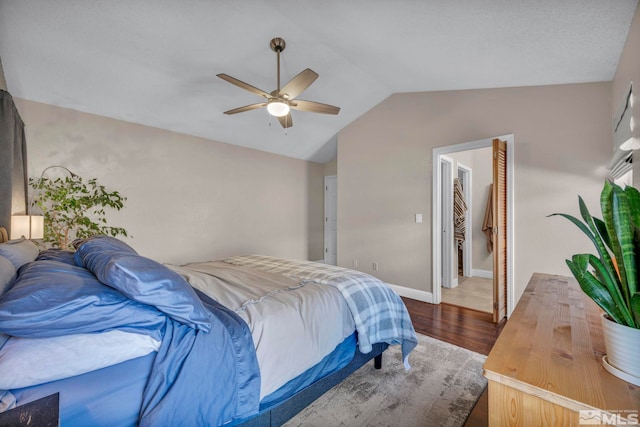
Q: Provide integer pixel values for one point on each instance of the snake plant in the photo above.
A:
(610, 279)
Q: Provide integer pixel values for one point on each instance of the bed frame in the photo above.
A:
(277, 415)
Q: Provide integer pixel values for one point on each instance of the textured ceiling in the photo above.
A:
(155, 62)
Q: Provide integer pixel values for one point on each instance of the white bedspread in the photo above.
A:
(293, 326)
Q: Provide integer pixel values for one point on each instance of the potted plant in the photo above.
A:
(75, 208)
(610, 278)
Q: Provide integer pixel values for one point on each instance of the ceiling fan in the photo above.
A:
(280, 101)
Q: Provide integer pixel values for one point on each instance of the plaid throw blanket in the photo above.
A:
(378, 312)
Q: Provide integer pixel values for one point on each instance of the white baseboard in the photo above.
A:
(485, 274)
(416, 294)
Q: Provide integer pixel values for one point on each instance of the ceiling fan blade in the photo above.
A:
(246, 108)
(299, 83)
(314, 107)
(243, 85)
(286, 121)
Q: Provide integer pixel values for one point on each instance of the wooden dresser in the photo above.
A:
(546, 366)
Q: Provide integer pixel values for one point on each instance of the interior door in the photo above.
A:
(499, 206)
(330, 220)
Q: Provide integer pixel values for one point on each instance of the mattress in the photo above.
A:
(112, 396)
(293, 325)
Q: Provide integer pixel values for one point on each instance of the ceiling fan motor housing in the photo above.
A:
(277, 44)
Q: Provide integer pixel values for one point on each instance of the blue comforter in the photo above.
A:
(189, 380)
(204, 349)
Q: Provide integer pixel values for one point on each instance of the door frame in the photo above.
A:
(438, 153)
(467, 247)
(446, 245)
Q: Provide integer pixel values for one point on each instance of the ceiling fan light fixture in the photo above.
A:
(278, 108)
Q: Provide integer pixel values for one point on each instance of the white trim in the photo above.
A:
(437, 220)
(446, 246)
(484, 274)
(511, 223)
(416, 294)
(467, 246)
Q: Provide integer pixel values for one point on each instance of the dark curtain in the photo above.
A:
(13, 161)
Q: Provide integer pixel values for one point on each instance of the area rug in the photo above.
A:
(444, 383)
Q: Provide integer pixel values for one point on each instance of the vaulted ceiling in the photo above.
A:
(155, 62)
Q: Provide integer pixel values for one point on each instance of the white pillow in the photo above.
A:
(30, 361)
(19, 252)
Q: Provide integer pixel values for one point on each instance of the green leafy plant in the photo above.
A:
(74, 209)
(611, 278)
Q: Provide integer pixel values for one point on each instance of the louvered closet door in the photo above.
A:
(499, 230)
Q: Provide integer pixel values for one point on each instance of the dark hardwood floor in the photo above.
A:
(470, 329)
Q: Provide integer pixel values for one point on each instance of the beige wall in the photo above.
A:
(331, 167)
(562, 144)
(3, 82)
(188, 198)
(629, 71)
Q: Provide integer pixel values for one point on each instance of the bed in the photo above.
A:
(125, 340)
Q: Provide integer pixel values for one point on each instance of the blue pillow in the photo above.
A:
(3, 339)
(146, 281)
(19, 251)
(51, 298)
(7, 274)
(55, 254)
(100, 243)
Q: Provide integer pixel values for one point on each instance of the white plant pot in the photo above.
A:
(623, 356)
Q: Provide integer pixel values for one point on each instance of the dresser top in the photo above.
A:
(552, 347)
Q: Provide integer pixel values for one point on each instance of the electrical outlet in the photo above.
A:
(374, 266)
(355, 262)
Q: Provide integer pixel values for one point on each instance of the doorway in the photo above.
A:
(473, 261)
(441, 270)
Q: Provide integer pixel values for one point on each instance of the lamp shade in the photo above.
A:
(37, 227)
(20, 226)
(29, 226)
